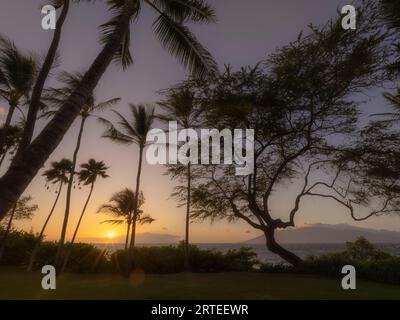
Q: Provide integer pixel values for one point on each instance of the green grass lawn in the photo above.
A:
(21, 285)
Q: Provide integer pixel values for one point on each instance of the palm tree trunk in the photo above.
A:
(3, 134)
(40, 238)
(3, 156)
(135, 215)
(136, 211)
(76, 229)
(127, 236)
(36, 96)
(61, 243)
(24, 169)
(7, 232)
(133, 236)
(186, 264)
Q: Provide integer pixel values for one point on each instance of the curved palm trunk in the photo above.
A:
(3, 135)
(274, 247)
(128, 232)
(76, 229)
(136, 212)
(36, 96)
(7, 232)
(186, 264)
(135, 215)
(133, 235)
(24, 169)
(40, 238)
(3, 156)
(61, 243)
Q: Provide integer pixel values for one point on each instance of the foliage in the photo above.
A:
(92, 170)
(303, 104)
(370, 263)
(85, 258)
(17, 247)
(170, 259)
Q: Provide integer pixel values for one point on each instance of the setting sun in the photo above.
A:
(110, 235)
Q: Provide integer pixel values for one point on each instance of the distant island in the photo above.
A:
(328, 233)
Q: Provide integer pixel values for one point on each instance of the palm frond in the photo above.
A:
(113, 222)
(113, 134)
(187, 10)
(120, 9)
(102, 106)
(179, 41)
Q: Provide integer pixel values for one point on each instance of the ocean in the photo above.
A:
(302, 250)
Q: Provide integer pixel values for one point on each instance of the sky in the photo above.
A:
(246, 32)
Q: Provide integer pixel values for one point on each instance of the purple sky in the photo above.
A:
(247, 30)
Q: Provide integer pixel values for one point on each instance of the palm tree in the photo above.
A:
(17, 75)
(35, 102)
(21, 211)
(394, 101)
(56, 97)
(90, 172)
(180, 106)
(122, 206)
(133, 132)
(56, 175)
(169, 26)
(13, 138)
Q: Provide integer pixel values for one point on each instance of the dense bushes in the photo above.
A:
(370, 263)
(86, 258)
(18, 246)
(169, 259)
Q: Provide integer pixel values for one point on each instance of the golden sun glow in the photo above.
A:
(110, 235)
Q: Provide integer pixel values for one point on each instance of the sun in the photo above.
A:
(110, 235)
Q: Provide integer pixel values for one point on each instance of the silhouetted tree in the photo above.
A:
(133, 132)
(180, 106)
(56, 175)
(170, 27)
(13, 138)
(22, 210)
(17, 75)
(122, 206)
(90, 172)
(56, 97)
(301, 105)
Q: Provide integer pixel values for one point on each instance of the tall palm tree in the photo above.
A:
(17, 75)
(90, 172)
(35, 101)
(13, 138)
(55, 98)
(133, 132)
(394, 101)
(21, 211)
(56, 175)
(169, 26)
(180, 106)
(122, 206)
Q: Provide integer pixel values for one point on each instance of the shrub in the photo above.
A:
(84, 257)
(370, 263)
(170, 259)
(18, 246)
